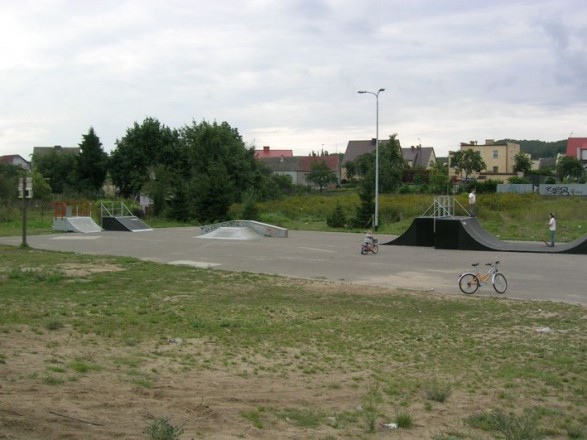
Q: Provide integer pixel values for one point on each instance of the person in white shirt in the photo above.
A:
(552, 229)
(472, 201)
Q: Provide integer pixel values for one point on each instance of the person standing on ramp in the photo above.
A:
(472, 202)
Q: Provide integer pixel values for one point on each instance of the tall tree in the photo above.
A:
(320, 175)
(142, 148)
(222, 168)
(56, 165)
(569, 167)
(91, 165)
(522, 163)
(468, 161)
(391, 165)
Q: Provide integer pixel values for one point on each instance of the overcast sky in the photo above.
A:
(285, 73)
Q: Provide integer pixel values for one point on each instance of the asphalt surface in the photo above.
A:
(335, 257)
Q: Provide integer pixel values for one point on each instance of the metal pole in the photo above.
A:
(376, 222)
(376, 219)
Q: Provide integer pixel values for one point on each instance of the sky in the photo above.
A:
(285, 73)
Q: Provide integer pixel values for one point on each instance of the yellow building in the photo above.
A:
(498, 156)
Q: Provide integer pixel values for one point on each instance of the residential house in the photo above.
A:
(415, 156)
(498, 156)
(298, 167)
(577, 147)
(15, 159)
(267, 152)
(37, 151)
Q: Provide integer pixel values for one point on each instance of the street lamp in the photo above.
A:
(376, 220)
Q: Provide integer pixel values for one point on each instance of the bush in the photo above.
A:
(337, 219)
(162, 429)
(438, 391)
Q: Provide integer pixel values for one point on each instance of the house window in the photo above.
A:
(496, 154)
(495, 170)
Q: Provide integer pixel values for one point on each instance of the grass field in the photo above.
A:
(101, 348)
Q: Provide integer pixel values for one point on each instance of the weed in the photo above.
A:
(254, 416)
(307, 418)
(52, 380)
(576, 432)
(404, 420)
(162, 429)
(53, 324)
(437, 391)
(371, 403)
(512, 427)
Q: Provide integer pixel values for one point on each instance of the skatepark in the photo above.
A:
(335, 257)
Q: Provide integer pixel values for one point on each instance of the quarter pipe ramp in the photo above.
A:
(124, 223)
(76, 224)
(466, 233)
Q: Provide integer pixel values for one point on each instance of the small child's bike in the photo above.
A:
(469, 282)
(370, 247)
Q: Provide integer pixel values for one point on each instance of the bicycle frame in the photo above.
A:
(469, 282)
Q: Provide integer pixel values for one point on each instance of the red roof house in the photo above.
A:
(577, 147)
(268, 152)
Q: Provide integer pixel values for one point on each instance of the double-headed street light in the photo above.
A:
(376, 220)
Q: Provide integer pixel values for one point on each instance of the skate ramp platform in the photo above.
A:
(231, 233)
(125, 223)
(466, 233)
(420, 233)
(81, 224)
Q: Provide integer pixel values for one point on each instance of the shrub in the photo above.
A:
(162, 429)
(438, 391)
(404, 420)
(337, 219)
(513, 427)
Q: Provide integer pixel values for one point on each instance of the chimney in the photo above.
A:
(489, 141)
(266, 149)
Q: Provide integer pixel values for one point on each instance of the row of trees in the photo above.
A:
(192, 173)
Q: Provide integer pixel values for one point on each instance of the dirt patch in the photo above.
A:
(59, 384)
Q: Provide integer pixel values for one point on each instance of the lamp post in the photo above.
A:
(376, 94)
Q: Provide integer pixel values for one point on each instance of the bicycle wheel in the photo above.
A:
(374, 248)
(468, 283)
(363, 250)
(500, 284)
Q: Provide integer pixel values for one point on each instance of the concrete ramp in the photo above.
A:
(231, 233)
(124, 223)
(84, 225)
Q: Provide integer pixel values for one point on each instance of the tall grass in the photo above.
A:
(509, 215)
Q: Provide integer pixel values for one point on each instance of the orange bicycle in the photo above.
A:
(469, 282)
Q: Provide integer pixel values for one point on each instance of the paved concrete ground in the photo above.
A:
(335, 257)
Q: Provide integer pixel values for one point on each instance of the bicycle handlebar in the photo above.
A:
(486, 264)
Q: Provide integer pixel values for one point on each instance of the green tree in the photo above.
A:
(522, 163)
(142, 149)
(56, 166)
(456, 162)
(365, 211)
(9, 175)
(391, 165)
(468, 161)
(320, 175)
(568, 167)
(221, 168)
(351, 169)
(438, 176)
(336, 219)
(91, 165)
